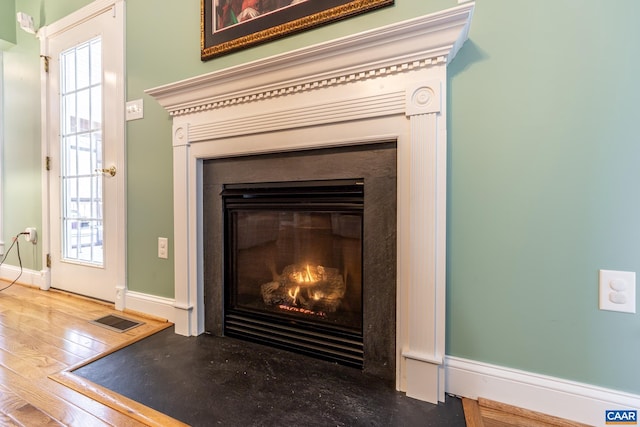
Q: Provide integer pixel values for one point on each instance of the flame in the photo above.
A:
(304, 277)
(293, 294)
(316, 296)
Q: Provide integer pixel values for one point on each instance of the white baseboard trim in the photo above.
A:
(28, 277)
(144, 303)
(150, 304)
(549, 395)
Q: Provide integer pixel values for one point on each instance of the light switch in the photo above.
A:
(135, 110)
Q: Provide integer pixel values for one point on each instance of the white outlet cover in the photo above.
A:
(618, 291)
(163, 247)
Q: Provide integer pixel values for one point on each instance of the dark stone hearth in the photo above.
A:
(207, 381)
(375, 165)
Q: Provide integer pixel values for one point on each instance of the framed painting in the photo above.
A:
(229, 25)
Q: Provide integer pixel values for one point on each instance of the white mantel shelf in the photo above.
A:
(386, 84)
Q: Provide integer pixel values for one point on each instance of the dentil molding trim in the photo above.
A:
(397, 48)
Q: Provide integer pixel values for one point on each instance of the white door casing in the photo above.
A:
(106, 278)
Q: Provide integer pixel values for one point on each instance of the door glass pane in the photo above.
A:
(81, 145)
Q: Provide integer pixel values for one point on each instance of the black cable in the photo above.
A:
(17, 245)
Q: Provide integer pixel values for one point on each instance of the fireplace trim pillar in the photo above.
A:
(386, 84)
(425, 349)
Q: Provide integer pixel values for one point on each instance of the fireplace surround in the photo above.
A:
(387, 84)
(300, 215)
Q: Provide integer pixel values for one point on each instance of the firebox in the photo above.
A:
(299, 252)
(293, 266)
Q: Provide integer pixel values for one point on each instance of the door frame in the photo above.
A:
(93, 9)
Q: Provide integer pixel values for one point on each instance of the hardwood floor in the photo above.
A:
(487, 413)
(44, 335)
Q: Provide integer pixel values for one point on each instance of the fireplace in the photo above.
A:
(304, 255)
(293, 266)
(386, 84)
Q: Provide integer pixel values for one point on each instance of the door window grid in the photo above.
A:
(81, 153)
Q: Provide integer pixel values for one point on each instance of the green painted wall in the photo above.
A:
(542, 169)
(22, 160)
(7, 24)
(543, 188)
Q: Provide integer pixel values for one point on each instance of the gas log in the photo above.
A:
(315, 288)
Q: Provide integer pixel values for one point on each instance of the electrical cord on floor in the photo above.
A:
(17, 245)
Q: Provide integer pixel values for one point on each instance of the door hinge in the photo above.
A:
(47, 163)
(48, 260)
(46, 62)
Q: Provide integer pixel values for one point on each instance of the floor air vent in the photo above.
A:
(116, 323)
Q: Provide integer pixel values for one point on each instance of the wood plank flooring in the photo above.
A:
(488, 413)
(44, 335)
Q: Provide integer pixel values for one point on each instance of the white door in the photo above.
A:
(85, 144)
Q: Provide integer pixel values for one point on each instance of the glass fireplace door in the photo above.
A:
(294, 263)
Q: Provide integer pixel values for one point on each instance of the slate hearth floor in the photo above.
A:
(206, 380)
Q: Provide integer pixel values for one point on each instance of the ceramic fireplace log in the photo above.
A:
(314, 288)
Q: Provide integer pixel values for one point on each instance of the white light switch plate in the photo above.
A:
(135, 110)
(618, 291)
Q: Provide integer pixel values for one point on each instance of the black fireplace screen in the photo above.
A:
(293, 266)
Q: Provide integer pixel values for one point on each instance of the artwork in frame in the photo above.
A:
(230, 25)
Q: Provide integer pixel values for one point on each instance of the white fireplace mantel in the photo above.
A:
(388, 84)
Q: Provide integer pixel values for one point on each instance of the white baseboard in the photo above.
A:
(549, 395)
(558, 397)
(144, 303)
(150, 304)
(28, 277)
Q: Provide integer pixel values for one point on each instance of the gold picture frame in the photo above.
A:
(230, 25)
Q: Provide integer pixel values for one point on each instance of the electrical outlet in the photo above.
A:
(31, 236)
(163, 247)
(618, 291)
